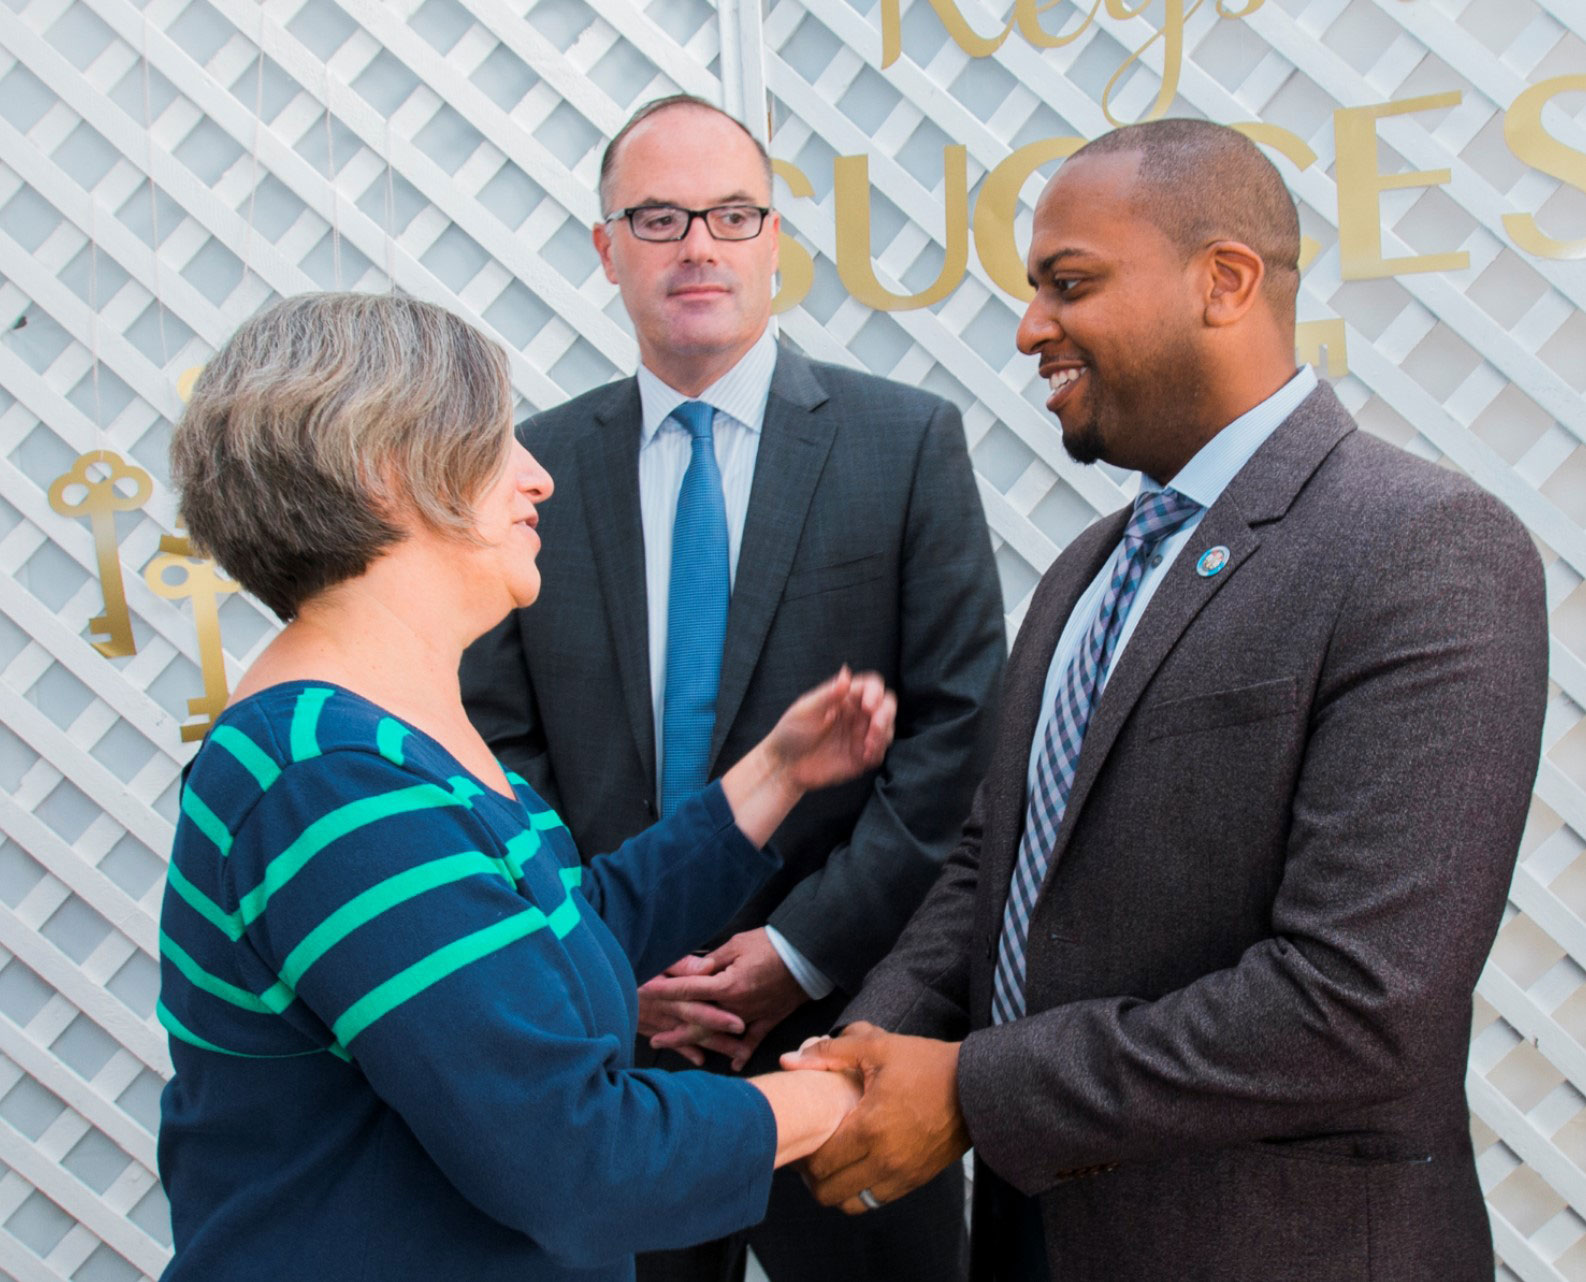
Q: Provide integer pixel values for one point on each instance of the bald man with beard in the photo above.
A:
(1196, 983)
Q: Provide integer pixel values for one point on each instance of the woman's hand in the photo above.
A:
(834, 733)
(808, 1106)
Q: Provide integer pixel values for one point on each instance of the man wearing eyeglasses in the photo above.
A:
(731, 526)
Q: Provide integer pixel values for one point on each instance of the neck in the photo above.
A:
(692, 372)
(1232, 398)
(1262, 384)
(395, 635)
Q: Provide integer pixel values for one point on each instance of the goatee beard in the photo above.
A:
(1084, 444)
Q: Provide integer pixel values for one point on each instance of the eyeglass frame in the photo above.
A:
(703, 214)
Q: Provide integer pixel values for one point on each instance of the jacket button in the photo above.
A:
(649, 807)
(991, 947)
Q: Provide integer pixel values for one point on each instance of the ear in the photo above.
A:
(602, 238)
(774, 226)
(1234, 275)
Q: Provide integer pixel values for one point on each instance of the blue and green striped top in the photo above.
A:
(402, 1015)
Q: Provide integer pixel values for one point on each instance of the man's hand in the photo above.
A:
(687, 1026)
(906, 1128)
(746, 978)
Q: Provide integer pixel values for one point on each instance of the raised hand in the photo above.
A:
(838, 730)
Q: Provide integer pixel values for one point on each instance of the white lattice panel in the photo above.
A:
(167, 167)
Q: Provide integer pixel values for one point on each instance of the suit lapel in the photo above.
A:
(1260, 493)
(794, 442)
(608, 464)
(1180, 596)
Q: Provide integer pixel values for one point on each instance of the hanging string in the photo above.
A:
(154, 202)
(253, 151)
(390, 210)
(101, 428)
(330, 178)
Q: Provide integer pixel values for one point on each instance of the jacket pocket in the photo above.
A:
(1221, 708)
(1375, 1151)
(829, 578)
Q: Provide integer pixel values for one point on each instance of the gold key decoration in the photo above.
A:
(95, 488)
(174, 574)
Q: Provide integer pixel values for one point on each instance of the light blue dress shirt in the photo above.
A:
(739, 398)
(1203, 478)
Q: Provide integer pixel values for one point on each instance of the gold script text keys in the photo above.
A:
(176, 573)
(100, 484)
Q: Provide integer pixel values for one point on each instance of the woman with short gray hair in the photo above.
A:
(401, 1009)
(322, 417)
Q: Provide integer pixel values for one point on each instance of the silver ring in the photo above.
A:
(871, 1202)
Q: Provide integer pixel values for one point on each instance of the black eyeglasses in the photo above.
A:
(668, 222)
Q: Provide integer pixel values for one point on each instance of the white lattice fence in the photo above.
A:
(166, 168)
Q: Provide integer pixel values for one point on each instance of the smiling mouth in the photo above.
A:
(1061, 384)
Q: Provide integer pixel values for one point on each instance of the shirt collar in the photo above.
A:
(741, 393)
(1206, 476)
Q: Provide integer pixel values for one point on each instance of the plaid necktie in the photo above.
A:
(696, 614)
(1156, 516)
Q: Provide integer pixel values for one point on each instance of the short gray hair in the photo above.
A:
(325, 419)
(608, 158)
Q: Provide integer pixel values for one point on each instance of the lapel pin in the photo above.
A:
(1211, 561)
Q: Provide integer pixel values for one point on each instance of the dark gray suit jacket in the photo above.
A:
(865, 544)
(1283, 862)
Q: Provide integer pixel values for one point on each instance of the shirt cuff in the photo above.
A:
(814, 984)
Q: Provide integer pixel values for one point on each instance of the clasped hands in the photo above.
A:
(906, 1127)
(729, 999)
(725, 1001)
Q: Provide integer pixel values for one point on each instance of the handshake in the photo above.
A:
(896, 1127)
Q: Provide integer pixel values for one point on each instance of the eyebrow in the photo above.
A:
(1045, 266)
(739, 197)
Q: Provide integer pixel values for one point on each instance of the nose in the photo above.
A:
(533, 479)
(1037, 327)
(697, 242)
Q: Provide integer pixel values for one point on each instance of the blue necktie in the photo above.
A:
(1155, 517)
(696, 614)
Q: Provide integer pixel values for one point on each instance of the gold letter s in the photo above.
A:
(1522, 130)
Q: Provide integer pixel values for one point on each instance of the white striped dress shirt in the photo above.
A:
(739, 398)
